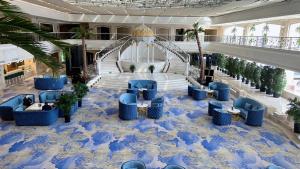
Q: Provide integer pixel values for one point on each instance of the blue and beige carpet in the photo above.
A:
(97, 138)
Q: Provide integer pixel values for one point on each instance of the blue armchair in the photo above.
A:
(157, 108)
(128, 106)
(251, 110)
(13, 104)
(173, 167)
(199, 94)
(150, 85)
(191, 89)
(221, 117)
(49, 83)
(133, 164)
(222, 90)
(212, 105)
(36, 118)
(53, 97)
(149, 94)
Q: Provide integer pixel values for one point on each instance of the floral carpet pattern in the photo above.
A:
(185, 135)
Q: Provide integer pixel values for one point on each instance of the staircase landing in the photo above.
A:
(165, 81)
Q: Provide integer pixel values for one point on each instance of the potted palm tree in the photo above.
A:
(279, 82)
(80, 90)
(65, 103)
(263, 78)
(132, 68)
(151, 68)
(294, 111)
(194, 34)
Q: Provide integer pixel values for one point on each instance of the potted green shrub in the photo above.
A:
(236, 68)
(256, 77)
(80, 90)
(279, 82)
(269, 80)
(294, 111)
(151, 68)
(247, 72)
(251, 73)
(65, 103)
(132, 68)
(263, 78)
(242, 66)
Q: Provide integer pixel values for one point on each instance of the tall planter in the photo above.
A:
(294, 111)
(279, 82)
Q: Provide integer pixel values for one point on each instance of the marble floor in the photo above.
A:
(185, 135)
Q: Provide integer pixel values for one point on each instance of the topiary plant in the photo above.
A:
(256, 76)
(242, 67)
(252, 72)
(279, 82)
(81, 90)
(236, 68)
(269, 80)
(263, 78)
(294, 111)
(247, 72)
(132, 68)
(151, 68)
(65, 103)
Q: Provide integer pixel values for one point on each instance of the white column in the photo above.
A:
(148, 54)
(2, 80)
(131, 53)
(152, 53)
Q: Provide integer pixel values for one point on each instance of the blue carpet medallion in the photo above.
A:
(185, 136)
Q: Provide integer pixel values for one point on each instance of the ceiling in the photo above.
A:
(174, 8)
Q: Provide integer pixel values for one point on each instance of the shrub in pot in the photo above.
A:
(256, 78)
(279, 82)
(80, 90)
(252, 71)
(263, 78)
(294, 111)
(151, 68)
(221, 61)
(269, 80)
(235, 67)
(65, 103)
(241, 69)
(247, 72)
(132, 68)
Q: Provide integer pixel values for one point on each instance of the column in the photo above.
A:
(132, 52)
(2, 80)
(148, 57)
(137, 53)
(152, 53)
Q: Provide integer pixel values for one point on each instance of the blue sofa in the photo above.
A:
(49, 83)
(212, 105)
(173, 167)
(221, 117)
(36, 118)
(191, 89)
(128, 106)
(13, 104)
(133, 164)
(221, 90)
(251, 110)
(150, 85)
(134, 91)
(53, 97)
(157, 108)
(199, 94)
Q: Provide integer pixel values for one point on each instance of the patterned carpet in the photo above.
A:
(97, 138)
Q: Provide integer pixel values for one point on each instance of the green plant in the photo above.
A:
(151, 68)
(242, 66)
(194, 34)
(252, 71)
(220, 61)
(247, 71)
(132, 68)
(256, 76)
(80, 90)
(263, 78)
(294, 109)
(16, 29)
(279, 81)
(66, 101)
(269, 79)
(235, 67)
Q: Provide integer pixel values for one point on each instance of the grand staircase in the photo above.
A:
(165, 81)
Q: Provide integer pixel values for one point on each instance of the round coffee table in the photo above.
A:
(235, 113)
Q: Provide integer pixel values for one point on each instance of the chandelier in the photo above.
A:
(152, 3)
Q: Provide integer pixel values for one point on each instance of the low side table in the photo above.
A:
(142, 108)
(210, 93)
(235, 113)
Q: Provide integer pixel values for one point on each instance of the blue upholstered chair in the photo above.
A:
(149, 85)
(213, 105)
(221, 117)
(49, 83)
(191, 89)
(173, 167)
(157, 108)
(272, 166)
(134, 91)
(128, 106)
(36, 118)
(222, 90)
(251, 110)
(199, 94)
(133, 164)
(53, 97)
(13, 104)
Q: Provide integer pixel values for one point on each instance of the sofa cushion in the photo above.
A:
(248, 106)
(50, 97)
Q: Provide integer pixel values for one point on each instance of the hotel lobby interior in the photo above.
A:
(149, 84)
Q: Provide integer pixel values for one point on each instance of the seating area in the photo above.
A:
(221, 90)
(149, 88)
